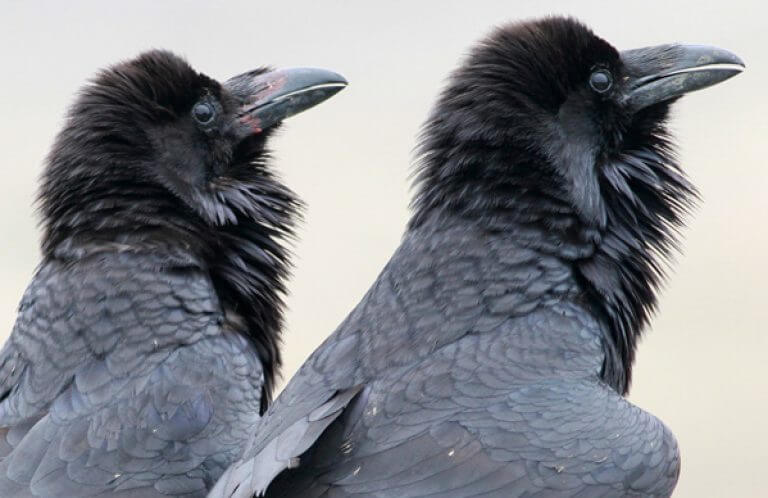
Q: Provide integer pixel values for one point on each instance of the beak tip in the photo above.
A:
(723, 56)
(338, 79)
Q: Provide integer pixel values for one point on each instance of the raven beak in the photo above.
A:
(268, 98)
(665, 72)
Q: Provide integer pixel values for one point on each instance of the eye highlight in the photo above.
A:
(601, 80)
(203, 112)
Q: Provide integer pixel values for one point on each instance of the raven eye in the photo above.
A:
(601, 81)
(203, 113)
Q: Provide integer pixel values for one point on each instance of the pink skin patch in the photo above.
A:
(270, 87)
(252, 122)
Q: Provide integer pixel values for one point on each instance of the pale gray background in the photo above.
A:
(702, 367)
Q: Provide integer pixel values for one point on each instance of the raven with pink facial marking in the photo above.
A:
(147, 343)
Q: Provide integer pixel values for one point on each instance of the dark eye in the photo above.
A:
(601, 81)
(203, 112)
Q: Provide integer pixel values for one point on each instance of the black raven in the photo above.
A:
(491, 355)
(147, 343)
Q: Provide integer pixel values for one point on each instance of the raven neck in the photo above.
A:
(133, 213)
(525, 218)
(620, 259)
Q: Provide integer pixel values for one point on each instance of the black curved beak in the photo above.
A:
(268, 98)
(665, 72)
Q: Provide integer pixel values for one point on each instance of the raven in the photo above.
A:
(146, 345)
(491, 355)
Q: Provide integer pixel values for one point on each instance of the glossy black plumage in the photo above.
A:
(490, 356)
(147, 343)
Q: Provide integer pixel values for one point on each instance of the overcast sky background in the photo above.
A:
(702, 367)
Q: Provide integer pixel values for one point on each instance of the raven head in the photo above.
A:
(549, 127)
(155, 128)
(154, 155)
